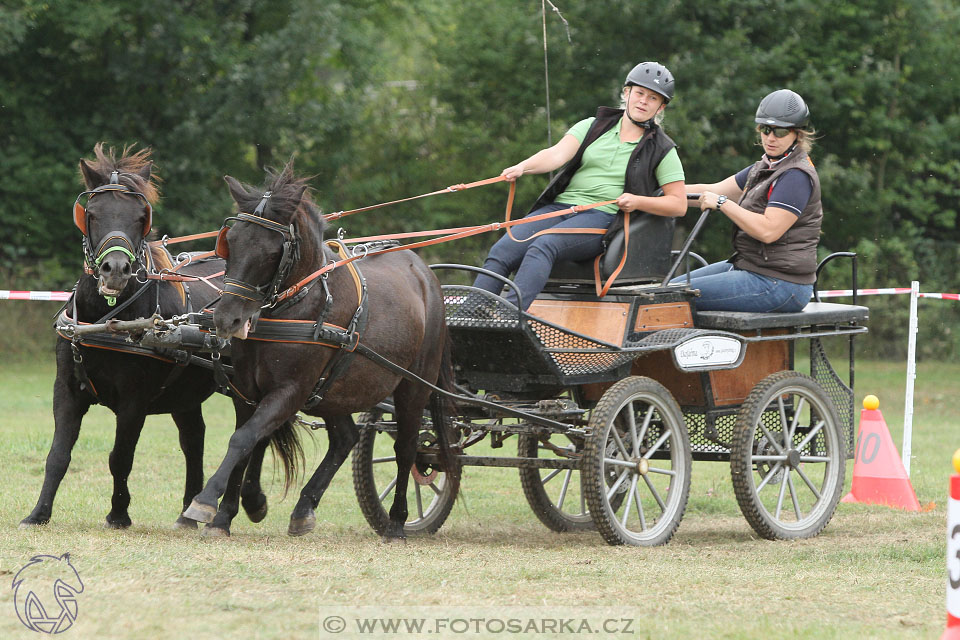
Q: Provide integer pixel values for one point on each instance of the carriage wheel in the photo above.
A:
(636, 466)
(431, 492)
(787, 457)
(555, 495)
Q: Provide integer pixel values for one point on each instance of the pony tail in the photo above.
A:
(287, 453)
(441, 407)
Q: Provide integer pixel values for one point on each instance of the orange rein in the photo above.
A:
(447, 235)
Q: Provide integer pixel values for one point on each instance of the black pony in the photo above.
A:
(393, 305)
(132, 382)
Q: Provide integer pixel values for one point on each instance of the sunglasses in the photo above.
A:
(780, 132)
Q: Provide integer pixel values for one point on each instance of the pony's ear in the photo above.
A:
(145, 171)
(237, 190)
(90, 177)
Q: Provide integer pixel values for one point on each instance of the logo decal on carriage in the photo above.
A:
(709, 352)
(45, 594)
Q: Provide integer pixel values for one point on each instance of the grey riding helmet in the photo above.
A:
(653, 76)
(783, 108)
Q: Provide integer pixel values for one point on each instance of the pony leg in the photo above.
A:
(410, 403)
(230, 504)
(129, 426)
(270, 414)
(70, 404)
(343, 435)
(191, 429)
(252, 498)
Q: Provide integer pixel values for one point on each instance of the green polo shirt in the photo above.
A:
(601, 173)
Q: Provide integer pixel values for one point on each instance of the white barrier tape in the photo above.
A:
(839, 293)
(59, 296)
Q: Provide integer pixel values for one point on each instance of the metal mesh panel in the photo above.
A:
(822, 371)
(597, 358)
(710, 433)
(665, 337)
(470, 307)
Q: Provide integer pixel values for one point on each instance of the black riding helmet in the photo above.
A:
(653, 76)
(783, 108)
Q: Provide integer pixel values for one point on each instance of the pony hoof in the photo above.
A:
(389, 539)
(185, 523)
(258, 514)
(123, 523)
(27, 523)
(200, 512)
(214, 532)
(302, 526)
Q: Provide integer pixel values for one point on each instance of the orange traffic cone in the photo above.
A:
(952, 632)
(878, 473)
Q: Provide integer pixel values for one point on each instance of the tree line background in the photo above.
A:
(383, 99)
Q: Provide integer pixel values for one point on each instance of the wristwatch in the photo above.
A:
(720, 201)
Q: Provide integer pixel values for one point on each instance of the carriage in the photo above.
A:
(616, 396)
(611, 393)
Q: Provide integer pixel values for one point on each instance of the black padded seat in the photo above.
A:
(648, 254)
(815, 313)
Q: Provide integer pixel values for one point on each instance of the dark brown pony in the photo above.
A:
(405, 323)
(131, 383)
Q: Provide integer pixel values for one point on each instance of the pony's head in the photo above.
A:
(263, 246)
(115, 214)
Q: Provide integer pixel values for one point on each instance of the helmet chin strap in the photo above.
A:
(782, 155)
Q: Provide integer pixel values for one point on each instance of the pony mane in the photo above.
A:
(128, 165)
(286, 198)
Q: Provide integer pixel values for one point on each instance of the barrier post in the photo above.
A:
(911, 377)
(952, 631)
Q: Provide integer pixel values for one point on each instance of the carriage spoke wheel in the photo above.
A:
(787, 457)
(636, 466)
(431, 491)
(556, 496)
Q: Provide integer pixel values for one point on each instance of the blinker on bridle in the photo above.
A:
(265, 294)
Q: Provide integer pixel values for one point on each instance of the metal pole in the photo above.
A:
(546, 71)
(911, 376)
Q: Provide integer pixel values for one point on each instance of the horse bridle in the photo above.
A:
(135, 250)
(266, 294)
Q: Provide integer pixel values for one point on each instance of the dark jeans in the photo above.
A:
(534, 260)
(723, 288)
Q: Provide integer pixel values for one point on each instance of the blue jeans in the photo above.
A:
(534, 260)
(723, 288)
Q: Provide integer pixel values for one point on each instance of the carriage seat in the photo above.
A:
(648, 254)
(815, 313)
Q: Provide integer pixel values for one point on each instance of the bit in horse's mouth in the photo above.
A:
(107, 291)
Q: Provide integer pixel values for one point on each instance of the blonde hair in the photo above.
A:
(805, 138)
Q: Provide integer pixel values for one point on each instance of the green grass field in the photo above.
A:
(874, 572)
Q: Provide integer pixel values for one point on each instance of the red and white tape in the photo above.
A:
(839, 293)
(58, 296)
